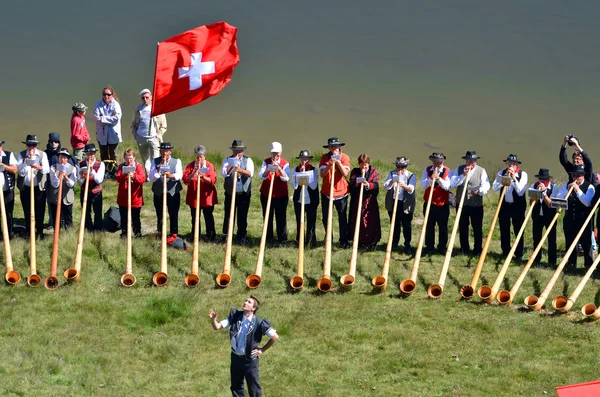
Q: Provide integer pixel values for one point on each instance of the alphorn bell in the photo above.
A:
(564, 304)
(33, 280)
(435, 290)
(160, 278)
(347, 281)
(51, 282)
(408, 286)
(379, 283)
(254, 280)
(297, 282)
(488, 293)
(74, 273)
(324, 284)
(467, 291)
(224, 278)
(192, 279)
(128, 279)
(12, 277)
(536, 303)
(506, 297)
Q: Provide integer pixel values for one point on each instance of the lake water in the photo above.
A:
(388, 77)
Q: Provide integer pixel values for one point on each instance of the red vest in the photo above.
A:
(94, 187)
(440, 196)
(280, 188)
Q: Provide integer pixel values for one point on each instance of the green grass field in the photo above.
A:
(96, 338)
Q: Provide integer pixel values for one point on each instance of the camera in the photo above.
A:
(570, 139)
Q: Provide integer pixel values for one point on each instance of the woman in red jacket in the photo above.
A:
(137, 193)
(208, 193)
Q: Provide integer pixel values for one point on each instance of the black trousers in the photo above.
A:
(109, 152)
(66, 215)
(515, 214)
(136, 222)
(39, 198)
(173, 204)
(341, 206)
(571, 227)
(242, 204)
(437, 216)
(94, 202)
(278, 211)
(242, 368)
(310, 211)
(209, 221)
(9, 204)
(472, 216)
(539, 224)
(402, 223)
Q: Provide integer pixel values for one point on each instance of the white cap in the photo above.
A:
(145, 91)
(276, 147)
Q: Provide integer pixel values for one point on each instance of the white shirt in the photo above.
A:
(98, 177)
(249, 167)
(459, 178)
(144, 129)
(72, 176)
(286, 171)
(23, 168)
(554, 194)
(11, 161)
(444, 183)
(520, 186)
(408, 187)
(313, 183)
(585, 198)
(155, 174)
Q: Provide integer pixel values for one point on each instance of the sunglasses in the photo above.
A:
(106, 94)
(146, 97)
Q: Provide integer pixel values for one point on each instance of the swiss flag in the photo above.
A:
(194, 66)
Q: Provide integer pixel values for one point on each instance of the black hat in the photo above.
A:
(577, 169)
(89, 148)
(543, 174)
(437, 156)
(54, 137)
(166, 145)
(305, 154)
(237, 144)
(471, 155)
(31, 140)
(333, 141)
(64, 152)
(2, 142)
(401, 161)
(512, 157)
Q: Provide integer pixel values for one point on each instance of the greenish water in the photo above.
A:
(388, 77)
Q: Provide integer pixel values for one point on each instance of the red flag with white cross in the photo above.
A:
(194, 66)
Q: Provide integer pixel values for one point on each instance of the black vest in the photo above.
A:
(246, 180)
(9, 177)
(519, 201)
(577, 210)
(312, 193)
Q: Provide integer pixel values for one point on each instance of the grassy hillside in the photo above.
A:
(96, 338)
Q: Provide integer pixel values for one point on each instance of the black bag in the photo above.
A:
(112, 219)
(110, 169)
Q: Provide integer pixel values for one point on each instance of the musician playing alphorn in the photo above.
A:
(41, 168)
(543, 215)
(275, 167)
(440, 208)
(93, 169)
(515, 203)
(169, 166)
(370, 223)
(69, 175)
(472, 211)
(311, 197)
(406, 181)
(7, 181)
(138, 178)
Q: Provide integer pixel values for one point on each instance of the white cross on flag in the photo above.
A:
(194, 66)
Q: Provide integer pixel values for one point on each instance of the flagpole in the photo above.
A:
(154, 84)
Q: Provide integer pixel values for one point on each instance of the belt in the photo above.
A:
(239, 356)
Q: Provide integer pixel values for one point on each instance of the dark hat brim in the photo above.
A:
(335, 144)
(470, 157)
(31, 142)
(2, 143)
(544, 176)
(237, 147)
(514, 161)
(305, 157)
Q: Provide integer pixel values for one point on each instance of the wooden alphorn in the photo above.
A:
(12, 277)
(536, 303)
(128, 279)
(161, 278)
(254, 280)
(224, 278)
(467, 291)
(347, 281)
(564, 304)
(192, 279)
(51, 282)
(379, 283)
(324, 284)
(33, 280)
(408, 286)
(435, 290)
(297, 282)
(74, 273)
(506, 297)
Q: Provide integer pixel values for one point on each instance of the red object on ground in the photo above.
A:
(590, 389)
(194, 66)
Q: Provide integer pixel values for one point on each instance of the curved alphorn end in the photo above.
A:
(562, 304)
(223, 280)
(51, 283)
(297, 283)
(346, 282)
(12, 277)
(467, 292)
(533, 303)
(160, 279)
(127, 280)
(504, 297)
(324, 284)
(253, 281)
(71, 274)
(590, 311)
(34, 280)
(435, 291)
(379, 283)
(191, 280)
(407, 286)
(485, 293)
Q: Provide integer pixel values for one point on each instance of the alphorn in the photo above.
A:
(506, 297)
(297, 282)
(254, 280)
(33, 280)
(467, 291)
(590, 311)
(347, 281)
(74, 273)
(324, 284)
(379, 283)
(160, 278)
(128, 279)
(564, 304)
(435, 290)
(51, 282)
(487, 293)
(408, 286)
(224, 278)
(192, 279)
(535, 303)
(12, 277)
